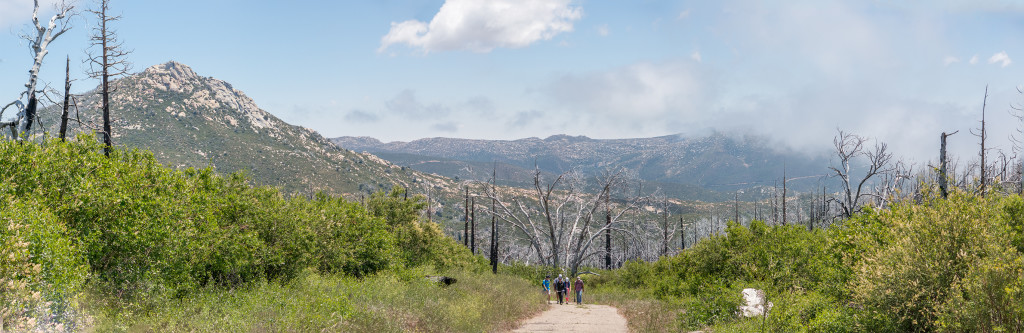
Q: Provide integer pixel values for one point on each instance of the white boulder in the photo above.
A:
(756, 303)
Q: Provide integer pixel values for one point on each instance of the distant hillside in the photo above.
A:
(188, 120)
(689, 167)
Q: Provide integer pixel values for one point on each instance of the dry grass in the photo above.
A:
(403, 302)
(643, 313)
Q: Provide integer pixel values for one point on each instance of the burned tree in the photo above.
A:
(494, 220)
(107, 62)
(465, 238)
(982, 135)
(560, 221)
(850, 147)
(39, 41)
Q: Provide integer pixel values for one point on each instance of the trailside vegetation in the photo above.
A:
(84, 237)
(942, 265)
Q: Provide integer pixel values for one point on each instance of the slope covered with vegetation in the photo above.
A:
(119, 242)
(950, 265)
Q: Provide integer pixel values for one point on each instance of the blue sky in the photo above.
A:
(900, 71)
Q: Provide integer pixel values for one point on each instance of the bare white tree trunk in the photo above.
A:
(39, 42)
(560, 222)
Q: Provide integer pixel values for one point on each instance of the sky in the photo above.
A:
(795, 72)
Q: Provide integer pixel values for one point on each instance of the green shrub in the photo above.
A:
(939, 252)
(42, 269)
(146, 232)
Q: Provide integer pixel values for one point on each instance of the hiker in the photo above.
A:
(559, 288)
(547, 286)
(567, 285)
(578, 287)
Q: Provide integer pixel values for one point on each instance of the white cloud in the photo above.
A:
(949, 60)
(638, 97)
(406, 104)
(696, 56)
(603, 30)
(1002, 58)
(483, 25)
(360, 116)
(683, 14)
(974, 60)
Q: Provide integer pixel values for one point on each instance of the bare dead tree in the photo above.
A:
(1018, 137)
(494, 221)
(560, 221)
(465, 230)
(736, 206)
(608, 232)
(39, 42)
(67, 99)
(848, 148)
(982, 135)
(666, 230)
(472, 225)
(775, 203)
(783, 193)
(943, 176)
(106, 63)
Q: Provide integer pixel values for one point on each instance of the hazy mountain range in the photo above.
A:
(685, 167)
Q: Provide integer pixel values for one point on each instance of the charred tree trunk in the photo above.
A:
(982, 135)
(494, 221)
(67, 100)
(107, 141)
(472, 225)
(465, 229)
(111, 62)
(30, 114)
(984, 178)
(682, 235)
(943, 177)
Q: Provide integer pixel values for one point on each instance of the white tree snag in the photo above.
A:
(560, 221)
(848, 148)
(39, 42)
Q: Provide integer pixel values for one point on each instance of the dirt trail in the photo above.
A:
(576, 318)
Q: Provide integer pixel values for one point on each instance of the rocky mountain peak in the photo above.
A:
(201, 95)
(174, 71)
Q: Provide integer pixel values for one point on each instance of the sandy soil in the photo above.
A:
(576, 318)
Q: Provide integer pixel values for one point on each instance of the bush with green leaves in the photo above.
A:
(145, 231)
(41, 268)
(944, 264)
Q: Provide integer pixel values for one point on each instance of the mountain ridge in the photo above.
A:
(715, 162)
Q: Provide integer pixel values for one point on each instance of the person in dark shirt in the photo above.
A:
(578, 287)
(560, 288)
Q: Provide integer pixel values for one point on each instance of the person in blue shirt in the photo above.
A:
(547, 286)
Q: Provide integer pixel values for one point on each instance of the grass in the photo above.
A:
(644, 313)
(394, 302)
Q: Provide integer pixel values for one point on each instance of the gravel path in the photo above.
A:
(576, 318)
